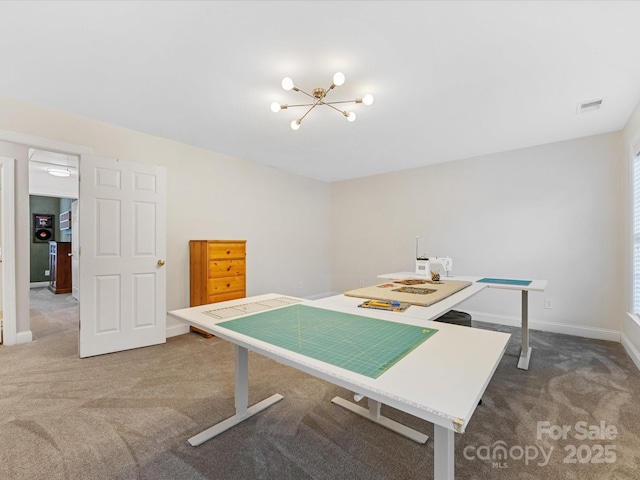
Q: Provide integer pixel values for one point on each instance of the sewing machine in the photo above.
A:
(423, 262)
(424, 265)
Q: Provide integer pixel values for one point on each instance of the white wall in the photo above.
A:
(22, 235)
(283, 217)
(550, 212)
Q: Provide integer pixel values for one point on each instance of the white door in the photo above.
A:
(122, 250)
(75, 257)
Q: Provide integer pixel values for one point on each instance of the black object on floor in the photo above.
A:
(456, 317)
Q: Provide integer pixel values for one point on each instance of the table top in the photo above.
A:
(440, 381)
(358, 343)
(534, 286)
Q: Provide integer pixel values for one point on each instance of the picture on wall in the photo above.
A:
(43, 228)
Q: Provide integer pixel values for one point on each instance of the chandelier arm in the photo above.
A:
(307, 113)
(312, 107)
(341, 101)
(336, 109)
(300, 105)
(306, 93)
(328, 104)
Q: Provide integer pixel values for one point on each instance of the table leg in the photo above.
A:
(525, 349)
(373, 414)
(443, 453)
(241, 380)
(241, 401)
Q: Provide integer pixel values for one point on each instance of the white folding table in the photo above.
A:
(441, 381)
(534, 286)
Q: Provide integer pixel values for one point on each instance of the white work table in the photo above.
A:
(534, 286)
(440, 381)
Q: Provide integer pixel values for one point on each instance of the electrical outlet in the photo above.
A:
(47, 273)
(548, 303)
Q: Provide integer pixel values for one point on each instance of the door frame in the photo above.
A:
(75, 246)
(8, 226)
(10, 301)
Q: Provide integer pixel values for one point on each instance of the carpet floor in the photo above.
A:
(574, 414)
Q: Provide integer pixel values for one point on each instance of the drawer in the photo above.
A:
(226, 250)
(223, 297)
(225, 284)
(226, 268)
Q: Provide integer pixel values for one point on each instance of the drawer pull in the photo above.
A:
(228, 285)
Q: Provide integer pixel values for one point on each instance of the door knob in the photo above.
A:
(160, 263)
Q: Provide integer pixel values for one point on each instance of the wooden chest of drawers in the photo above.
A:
(60, 267)
(217, 270)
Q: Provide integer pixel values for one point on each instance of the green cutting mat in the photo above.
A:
(360, 344)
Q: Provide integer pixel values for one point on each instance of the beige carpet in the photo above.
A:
(128, 415)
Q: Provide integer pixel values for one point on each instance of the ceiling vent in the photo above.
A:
(589, 106)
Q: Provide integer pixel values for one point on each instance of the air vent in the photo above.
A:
(589, 106)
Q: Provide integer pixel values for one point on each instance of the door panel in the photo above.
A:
(123, 242)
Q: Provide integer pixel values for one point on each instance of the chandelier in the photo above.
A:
(318, 96)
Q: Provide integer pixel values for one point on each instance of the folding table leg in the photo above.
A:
(525, 349)
(373, 414)
(443, 452)
(241, 401)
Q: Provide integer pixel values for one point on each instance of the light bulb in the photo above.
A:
(275, 107)
(58, 172)
(287, 83)
(367, 99)
(295, 125)
(338, 78)
(351, 116)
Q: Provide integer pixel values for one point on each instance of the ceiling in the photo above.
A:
(450, 80)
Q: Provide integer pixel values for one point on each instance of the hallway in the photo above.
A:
(51, 313)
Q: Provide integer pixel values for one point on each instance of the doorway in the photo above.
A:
(53, 189)
(14, 160)
(145, 188)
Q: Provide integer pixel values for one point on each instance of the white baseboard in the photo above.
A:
(38, 284)
(318, 296)
(24, 337)
(172, 331)
(175, 330)
(632, 351)
(575, 330)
